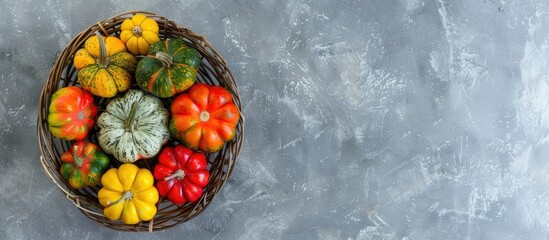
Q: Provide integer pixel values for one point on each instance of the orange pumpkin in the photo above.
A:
(72, 113)
(204, 118)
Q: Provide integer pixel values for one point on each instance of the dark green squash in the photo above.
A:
(169, 68)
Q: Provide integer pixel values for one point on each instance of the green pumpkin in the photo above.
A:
(169, 68)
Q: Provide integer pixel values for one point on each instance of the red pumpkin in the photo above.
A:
(181, 174)
(72, 113)
(204, 118)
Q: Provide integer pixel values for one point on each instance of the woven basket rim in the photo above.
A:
(213, 70)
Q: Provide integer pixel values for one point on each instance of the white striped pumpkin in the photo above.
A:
(133, 127)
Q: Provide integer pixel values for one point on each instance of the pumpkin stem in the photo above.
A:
(204, 116)
(103, 50)
(128, 195)
(179, 174)
(166, 59)
(77, 160)
(137, 31)
(80, 115)
(129, 121)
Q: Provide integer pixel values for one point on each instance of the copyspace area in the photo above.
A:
(374, 119)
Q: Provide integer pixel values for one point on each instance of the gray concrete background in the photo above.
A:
(376, 119)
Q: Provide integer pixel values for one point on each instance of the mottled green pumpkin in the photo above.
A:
(169, 68)
(84, 164)
(104, 66)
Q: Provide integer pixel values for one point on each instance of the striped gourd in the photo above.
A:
(133, 127)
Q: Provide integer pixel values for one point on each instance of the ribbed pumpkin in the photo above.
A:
(205, 117)
(72, 113)
(84, 164)
(128, 194)
(138, 33)
(105, 67)
(169, 68)
(133, 127)
(181, 174)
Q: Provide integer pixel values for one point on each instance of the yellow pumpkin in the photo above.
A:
(128, 194)
(105, 67)
(138, 33)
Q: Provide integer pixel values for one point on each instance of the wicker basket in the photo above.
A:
(213, 70)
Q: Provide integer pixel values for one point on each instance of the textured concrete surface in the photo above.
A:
(375, 119)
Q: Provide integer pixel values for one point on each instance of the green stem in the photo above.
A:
(179, 174)
(103, 50)
(77, 160)
(129, 121)
(166, 59)
(128, 195)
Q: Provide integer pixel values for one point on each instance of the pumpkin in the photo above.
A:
(169, 68)
(133, 127)
(181, 174)
(105, 68)
(72, 113)
(84, 164)
(138, 33)
(204, 118)
(128, 194)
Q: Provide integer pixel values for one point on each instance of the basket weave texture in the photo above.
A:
(213, 70)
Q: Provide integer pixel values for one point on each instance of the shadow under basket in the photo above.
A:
(213, 70)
